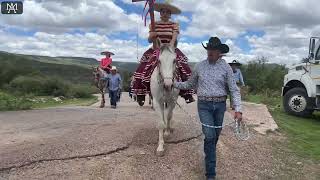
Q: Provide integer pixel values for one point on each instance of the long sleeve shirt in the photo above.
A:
(105, 63)
(238, 77)
(114, 82)
(213, 80)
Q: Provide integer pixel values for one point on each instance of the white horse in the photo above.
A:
(164, 95)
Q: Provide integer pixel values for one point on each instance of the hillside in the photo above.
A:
(20, 64)
(74, 69)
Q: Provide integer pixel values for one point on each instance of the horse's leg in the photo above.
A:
(168, 129)
(151, 101)
(102, 100)
(161, 127)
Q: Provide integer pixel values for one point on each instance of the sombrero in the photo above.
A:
(107, 52)
(174, 10)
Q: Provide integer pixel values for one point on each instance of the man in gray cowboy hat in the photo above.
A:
(210, 77)
(114, 85)
(238, 78)
(237, 72)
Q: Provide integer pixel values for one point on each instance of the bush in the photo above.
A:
(42, 86)
(9, 102)
(56, 87)
(26, 85)
(81, 91)
(260, 75)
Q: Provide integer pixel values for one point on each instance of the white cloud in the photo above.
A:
(61, 16)
(287, 25)
(79, 45)
(180, 18)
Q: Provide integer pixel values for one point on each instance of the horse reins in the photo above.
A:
(161, 77)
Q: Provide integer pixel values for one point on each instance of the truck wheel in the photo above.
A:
(296, 102)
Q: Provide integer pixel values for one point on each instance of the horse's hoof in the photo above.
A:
(102, 106)
(160, 153)
(171, 130)
(167, 133)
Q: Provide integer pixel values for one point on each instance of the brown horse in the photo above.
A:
(100, 83)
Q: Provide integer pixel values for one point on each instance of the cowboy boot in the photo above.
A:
(189, 98)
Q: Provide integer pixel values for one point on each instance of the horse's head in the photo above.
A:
(96, 74)
(167, 65)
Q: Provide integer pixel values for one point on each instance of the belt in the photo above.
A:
(213, 98)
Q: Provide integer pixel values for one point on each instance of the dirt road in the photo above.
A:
(116, 144)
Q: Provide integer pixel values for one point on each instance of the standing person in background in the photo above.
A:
(115, 86)
(238, 78)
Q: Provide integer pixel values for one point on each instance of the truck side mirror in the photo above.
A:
(311, 48)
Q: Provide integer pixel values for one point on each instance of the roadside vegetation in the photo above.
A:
(265, 82)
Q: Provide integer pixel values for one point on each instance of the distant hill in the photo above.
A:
(75, 69)
(27, 64)
(78, 61)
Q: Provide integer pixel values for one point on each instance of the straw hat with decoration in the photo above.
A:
(166, 5)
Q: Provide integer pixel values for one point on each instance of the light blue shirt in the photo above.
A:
(238, 77)
(114, 82)
(213, 80)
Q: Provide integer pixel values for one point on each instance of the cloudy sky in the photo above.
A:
(278, 30)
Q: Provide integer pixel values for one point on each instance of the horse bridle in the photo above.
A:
(162, 78)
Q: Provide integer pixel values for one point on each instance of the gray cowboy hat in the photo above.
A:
(173, 9)
(107, 52)
(235, 62)
(114, 68)
(215, 44)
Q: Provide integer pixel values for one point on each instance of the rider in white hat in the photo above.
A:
(115, 86)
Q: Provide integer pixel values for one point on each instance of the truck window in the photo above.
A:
(318, 54)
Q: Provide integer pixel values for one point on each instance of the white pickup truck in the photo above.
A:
(301, 89)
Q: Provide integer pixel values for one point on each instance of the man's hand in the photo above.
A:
(238, 116)
(174, 83)
(172, 43)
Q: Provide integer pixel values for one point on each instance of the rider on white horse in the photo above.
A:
(167, 32)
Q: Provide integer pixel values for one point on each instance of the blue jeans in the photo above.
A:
(113, 97)
(212, 114)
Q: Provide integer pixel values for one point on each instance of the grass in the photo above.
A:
(255, 99)
(10, 102)
(303, 133)
(46, 101)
